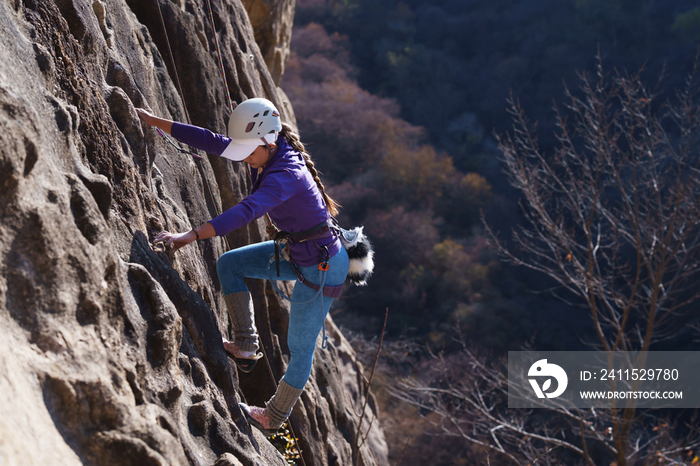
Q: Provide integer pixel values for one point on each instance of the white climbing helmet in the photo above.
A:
(250, 122)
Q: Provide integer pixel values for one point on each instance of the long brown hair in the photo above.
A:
(294, 141)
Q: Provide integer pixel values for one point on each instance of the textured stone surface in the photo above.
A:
(273, 21)
(110, 347)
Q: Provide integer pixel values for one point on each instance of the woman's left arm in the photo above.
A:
(152, 120)
(275, 189)
(191, 135)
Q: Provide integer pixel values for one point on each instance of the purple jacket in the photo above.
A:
(285, 190)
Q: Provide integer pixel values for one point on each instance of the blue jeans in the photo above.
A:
(305, 320)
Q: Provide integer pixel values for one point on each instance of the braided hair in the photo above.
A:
(293, 139)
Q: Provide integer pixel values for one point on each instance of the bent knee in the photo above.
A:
(226, 263)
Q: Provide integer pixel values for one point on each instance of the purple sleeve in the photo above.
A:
(276, 188)
(200, 138)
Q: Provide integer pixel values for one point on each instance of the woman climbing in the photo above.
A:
(286, 186)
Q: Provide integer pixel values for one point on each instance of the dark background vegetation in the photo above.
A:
(399, 101)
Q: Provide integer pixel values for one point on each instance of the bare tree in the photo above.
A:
(613, 217)
(471, 403)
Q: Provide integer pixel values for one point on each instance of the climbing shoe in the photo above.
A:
(244, 362)
(258, 417)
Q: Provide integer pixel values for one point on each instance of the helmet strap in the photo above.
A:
(269, 148)
(267, 145)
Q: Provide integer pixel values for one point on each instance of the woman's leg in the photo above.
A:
(305, 323)
(232, 267)
(249, 262)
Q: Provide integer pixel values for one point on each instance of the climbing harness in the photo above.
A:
(322, 230)
(312, 234)
(320, 288)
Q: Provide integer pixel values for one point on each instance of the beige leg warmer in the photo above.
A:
(280, 405)
(240, 311)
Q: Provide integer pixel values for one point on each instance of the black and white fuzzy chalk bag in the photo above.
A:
(360, 253)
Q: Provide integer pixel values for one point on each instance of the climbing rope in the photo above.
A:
(270, 228)
(172, 61)
(178, 148)
(222, 71)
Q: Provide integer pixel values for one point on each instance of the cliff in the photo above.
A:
(110, 348)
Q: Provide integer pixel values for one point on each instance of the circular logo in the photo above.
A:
(542, 370)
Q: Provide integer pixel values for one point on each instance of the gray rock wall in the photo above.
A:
(110, 347)
(273, 21)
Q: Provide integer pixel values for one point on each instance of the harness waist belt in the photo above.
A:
(317, 232)
(322, 230)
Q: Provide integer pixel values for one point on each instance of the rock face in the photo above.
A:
(273, 21)
(110, 348)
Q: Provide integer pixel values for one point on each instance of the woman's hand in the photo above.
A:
(152, 120)
(177, 240)
(145, 115)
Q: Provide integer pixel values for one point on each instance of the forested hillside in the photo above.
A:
(400, 102)
(443, 61)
